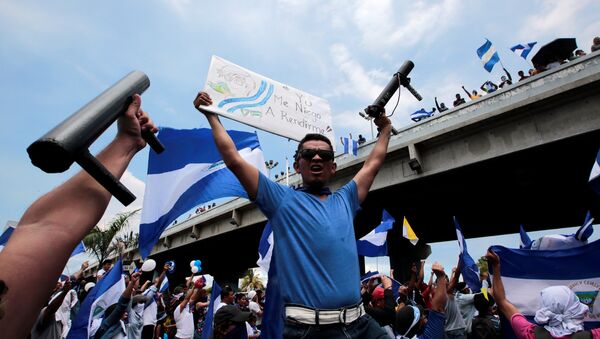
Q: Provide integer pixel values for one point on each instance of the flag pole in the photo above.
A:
(287, 172)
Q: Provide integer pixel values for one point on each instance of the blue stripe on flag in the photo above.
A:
(523, 50)
(468, 268)
(192, 146)
(587, 229)
(525, 239)
(79, 249)
(346, 145)
(488, 55)
(164, 285)
(265, 251)
(573, 263)
(355, 147)
(6, 235)
(274, 313)
(79, 330)
(215, 296)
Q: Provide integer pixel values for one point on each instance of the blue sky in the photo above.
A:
(57, 55)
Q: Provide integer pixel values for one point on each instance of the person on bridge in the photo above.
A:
(473, 95)
(55, 223)
(314, 228)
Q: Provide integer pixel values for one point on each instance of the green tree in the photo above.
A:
(104, 243)
(251, 281)
(482, 264)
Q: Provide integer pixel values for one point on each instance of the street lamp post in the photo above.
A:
(270, 165)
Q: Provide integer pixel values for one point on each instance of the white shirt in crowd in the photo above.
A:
(184, 320)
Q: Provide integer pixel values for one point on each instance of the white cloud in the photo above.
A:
(137, 187)
(556, 18)
(360, 83)
(383, 24)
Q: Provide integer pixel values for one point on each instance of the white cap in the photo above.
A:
(251, 295)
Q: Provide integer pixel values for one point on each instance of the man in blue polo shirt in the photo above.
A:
(313, 229)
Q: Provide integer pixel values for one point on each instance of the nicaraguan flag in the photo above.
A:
(189, 173)
(265, 248)
(106, 293)
(525, 273)
(164, 285)
(6, 235)
(488, 55)
(215, 299)
(468, 268)
(374, 244)
(523, 50)
(408, 233)
(395, 284)
(595, 175)
(79, 249)
(525, 239)
(553, 242)
(347, 146)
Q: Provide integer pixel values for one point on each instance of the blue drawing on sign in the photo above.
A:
(261, 89)
(262, 102)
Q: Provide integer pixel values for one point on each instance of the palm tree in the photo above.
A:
(251, 281)
(103, 243)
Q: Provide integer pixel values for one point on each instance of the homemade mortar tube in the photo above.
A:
(69, 141)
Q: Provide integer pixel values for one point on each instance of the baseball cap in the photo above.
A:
(230, 313)
(377, 293)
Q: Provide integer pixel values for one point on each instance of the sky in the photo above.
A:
(58, 55)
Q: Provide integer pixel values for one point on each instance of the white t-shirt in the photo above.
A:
(255, 308)
(152, 309)
(184, 321)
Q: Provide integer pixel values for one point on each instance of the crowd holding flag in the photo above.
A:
(374, 244)
(106, 293)
(190, 174)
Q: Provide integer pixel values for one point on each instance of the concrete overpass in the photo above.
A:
(521, 155)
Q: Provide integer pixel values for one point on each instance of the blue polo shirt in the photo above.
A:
(315, 246)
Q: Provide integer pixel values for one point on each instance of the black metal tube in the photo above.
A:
(392, 85)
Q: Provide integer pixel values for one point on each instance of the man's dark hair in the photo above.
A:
(107, 261)
(226, 291)
(309, 137)
(482, 304)
(461, 286)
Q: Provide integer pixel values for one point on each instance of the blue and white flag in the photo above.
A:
(215, 299)
(347, 146)
(274, 312)
(525, 273)
(586, 230)
(79, 249)
(164, 285)
(374, 244)
(525, 239)
(395, 283)
(191, 172)
(6, 235)
(265, 248)
(106, 293)
(595, 175)
(523, 50)
(488, 55)
(468, 267)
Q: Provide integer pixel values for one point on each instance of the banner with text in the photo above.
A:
(260, 102)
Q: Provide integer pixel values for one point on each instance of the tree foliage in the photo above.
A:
(251, 281)
(104, 243)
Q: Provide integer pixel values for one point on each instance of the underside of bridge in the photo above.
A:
(542, 188)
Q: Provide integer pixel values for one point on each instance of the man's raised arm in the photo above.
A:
(364, 178)
(246, 173)
(54, 224)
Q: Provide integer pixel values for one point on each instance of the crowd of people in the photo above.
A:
(312, 225)
(488, 86)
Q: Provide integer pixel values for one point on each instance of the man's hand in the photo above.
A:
(135, 277)
(166, 267)
(386, 282)
(67, 285)
(85, 265)
(382, 122)
(492, 258)
(437, 268)
(133, 122)
(202, 99)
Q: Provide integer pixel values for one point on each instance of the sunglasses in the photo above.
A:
(309, 153)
